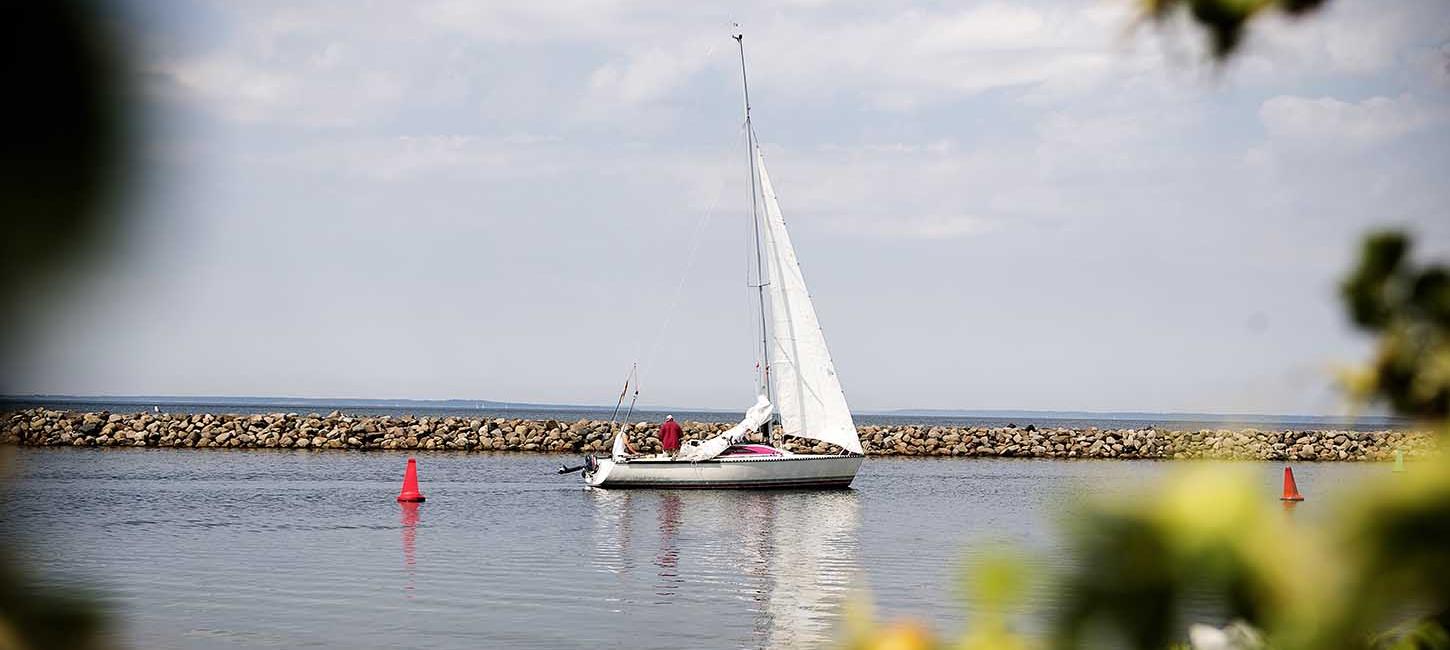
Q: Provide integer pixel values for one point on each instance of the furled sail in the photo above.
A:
(807, 393)
(707, 449)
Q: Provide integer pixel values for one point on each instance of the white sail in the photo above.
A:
(618, 451)
(807, 393)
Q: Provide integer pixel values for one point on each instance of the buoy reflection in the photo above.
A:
(410, 542)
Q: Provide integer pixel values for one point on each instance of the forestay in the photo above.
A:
(807, 393)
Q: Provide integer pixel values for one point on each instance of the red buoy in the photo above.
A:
(1291, 490)
(410, 493)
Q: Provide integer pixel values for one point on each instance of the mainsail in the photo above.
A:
(807, 393)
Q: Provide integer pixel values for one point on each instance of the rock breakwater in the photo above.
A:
(50, 428)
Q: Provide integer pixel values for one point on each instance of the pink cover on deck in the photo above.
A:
(751, 450)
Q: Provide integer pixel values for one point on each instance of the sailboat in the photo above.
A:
(800, 395)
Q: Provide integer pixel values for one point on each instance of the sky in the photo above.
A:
(998, 205)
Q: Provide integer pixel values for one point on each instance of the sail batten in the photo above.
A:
(808, 394)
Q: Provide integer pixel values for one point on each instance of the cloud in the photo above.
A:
(931, 227)
(411, 157)
(324, 65)
(332, 65)
(1353, 38)
(646, 76)
(1328, 122)
(915, 59)
(318, 93)
(558, 21)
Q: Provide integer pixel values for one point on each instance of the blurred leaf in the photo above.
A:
(1367, 290)
(1225, 21)
(997, 584)
(1408, 305)
(62, 164)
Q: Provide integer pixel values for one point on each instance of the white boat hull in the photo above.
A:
(792, 471)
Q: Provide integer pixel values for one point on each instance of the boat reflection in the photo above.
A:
(667, 559)
(613, 531)
(791, 558)
(815, 565)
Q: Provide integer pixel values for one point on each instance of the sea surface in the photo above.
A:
(306, 549)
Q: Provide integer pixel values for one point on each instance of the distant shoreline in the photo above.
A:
(492, 409)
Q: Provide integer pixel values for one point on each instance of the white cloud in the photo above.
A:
(1333, 123)
(1343, 38)
(412, 157)
(645, 76)
(597, 21)
(987, 27)
(914, 59)
(919, 226)
(321, 92)
(317, 66)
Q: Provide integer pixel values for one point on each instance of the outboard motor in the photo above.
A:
(590, 465)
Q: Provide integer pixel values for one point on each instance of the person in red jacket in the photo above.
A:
(670, 435)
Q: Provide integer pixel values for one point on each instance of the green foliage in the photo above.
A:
(1211, 536)
(996, 584)
(63, 161)
(1225, 20)
(34, 617)
(1408, 307)
(61, 164)
(42, 619)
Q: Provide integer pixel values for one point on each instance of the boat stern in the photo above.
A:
(597, 470)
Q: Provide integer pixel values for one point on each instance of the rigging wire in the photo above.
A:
(751, 153)
(754, 307)
(625, 424)
(627, 379)
(648, 357)
(695, 239)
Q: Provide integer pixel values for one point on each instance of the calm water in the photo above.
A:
(224, 549)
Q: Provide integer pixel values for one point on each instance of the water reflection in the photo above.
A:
(668, 557)
(815, 564)
(756, 514)
(790, 559)
(410, 542)
(613, 530)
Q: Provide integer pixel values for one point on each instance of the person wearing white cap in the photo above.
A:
(670, 435)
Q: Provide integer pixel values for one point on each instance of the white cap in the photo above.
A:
(669, 417)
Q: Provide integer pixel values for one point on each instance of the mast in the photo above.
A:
(755, 224)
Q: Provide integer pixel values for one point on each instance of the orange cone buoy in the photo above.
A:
(1291, 490)
(410, 493)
